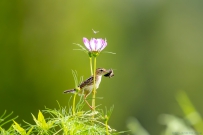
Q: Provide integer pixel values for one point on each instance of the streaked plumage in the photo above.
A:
(87, 86)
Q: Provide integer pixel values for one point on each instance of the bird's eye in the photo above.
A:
(101, 70)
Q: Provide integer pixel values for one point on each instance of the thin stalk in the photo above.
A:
(94, 89)
(91, 65)
(107, 129)
(57, 132)
(64, 129)
(74, 103)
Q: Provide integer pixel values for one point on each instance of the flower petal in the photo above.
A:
(99, 44)
(104, 44)
(93, 43)
(87, 43)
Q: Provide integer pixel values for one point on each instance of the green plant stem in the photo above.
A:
(107, 130)
(94, 89)
(74, 103)
(64, 128)
(91, 65)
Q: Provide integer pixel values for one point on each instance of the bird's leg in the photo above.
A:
(85, 96)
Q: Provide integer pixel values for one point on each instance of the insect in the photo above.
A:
(95, 32)
(109, 74)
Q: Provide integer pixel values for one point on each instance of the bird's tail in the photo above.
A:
(69, 91)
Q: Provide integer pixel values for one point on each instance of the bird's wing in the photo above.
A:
(89, 81)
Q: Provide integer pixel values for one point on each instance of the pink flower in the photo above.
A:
(95, 45)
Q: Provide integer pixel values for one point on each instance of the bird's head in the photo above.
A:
(101, 71)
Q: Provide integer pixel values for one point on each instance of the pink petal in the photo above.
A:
(93, 43)
(87, 44)
(104, 44)
(99, 44)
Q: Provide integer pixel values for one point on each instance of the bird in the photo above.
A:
(87, 86)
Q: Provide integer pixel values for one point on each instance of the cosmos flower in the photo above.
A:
(95, 45)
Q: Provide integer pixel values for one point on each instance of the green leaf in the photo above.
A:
(82, 48)
(3, 118)
(29, 131)
(36, 121)
(19, 129)
(42, 121)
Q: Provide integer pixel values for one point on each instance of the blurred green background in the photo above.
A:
(158, 46)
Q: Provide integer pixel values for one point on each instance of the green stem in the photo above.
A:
(74, 103)
(94, 89)
(107, 130)
(91, 65)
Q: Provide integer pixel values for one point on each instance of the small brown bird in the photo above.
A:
(87, 86)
